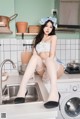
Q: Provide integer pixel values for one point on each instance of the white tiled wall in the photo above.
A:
(67, 50)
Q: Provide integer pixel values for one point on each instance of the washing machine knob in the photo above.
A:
(74, 88)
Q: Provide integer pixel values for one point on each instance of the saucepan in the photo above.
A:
(73, 65)
(6, 19)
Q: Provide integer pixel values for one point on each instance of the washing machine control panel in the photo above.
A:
(69, 86)
(75, 88)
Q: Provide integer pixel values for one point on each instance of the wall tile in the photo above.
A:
(67, 50)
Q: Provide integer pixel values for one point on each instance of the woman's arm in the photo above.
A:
(34, 51)
(53, 46)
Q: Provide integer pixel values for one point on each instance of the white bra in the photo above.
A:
(43, 47)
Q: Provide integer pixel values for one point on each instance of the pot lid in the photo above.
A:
(4, 30)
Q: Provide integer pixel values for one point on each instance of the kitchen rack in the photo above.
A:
(25, 34)
(58, 29)
(28, 34)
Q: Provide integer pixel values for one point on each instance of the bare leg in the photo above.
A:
(28, 73)
(60, 72)
(52, 72)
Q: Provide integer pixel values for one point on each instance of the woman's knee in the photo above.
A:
(35, 56)
(60, 72)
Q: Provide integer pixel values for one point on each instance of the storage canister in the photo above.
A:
(33, 28)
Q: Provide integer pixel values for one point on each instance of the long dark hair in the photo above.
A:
(40, 35)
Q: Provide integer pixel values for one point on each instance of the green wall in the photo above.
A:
(31, 11)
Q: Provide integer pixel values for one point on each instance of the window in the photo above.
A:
(69, 12)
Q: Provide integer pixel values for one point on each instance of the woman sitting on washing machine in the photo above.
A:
(44, 61)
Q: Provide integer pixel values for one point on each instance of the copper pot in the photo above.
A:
(6, 19)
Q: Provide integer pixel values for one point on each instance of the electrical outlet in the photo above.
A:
(53, 10)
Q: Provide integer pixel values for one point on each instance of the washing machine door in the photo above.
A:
(70, 106)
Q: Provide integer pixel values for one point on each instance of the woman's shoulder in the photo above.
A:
(53, 37)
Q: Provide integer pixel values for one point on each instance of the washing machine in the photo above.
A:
(69, 88)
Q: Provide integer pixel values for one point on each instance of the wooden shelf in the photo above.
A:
(27, 34)
(66, 29)
(57, 30)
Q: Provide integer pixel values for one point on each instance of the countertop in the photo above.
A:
(69, 77)
(65, 80)
(31, 110)
(16, 79)
(28, 111)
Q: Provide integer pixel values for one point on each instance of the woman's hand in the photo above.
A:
(53, 46)
(49, 58)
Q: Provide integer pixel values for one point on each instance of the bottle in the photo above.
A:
(55, 18)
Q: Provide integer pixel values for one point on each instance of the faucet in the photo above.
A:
(1, 66)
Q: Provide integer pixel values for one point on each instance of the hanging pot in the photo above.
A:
(6, 19)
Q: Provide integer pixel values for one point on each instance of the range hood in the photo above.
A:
(4, 29)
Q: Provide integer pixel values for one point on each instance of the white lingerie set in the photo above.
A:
(45, 47)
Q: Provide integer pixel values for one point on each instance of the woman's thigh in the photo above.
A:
(60, 70)
(40, 68)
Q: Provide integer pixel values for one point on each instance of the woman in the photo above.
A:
(44, 59)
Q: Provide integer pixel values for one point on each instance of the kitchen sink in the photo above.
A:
(33, 93)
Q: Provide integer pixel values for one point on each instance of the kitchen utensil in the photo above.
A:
(72, 71)
(5, 30)
(26, 53)
(22, 68)
(73, 65)
(6, 19)
(2, 24)
(73, 68)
